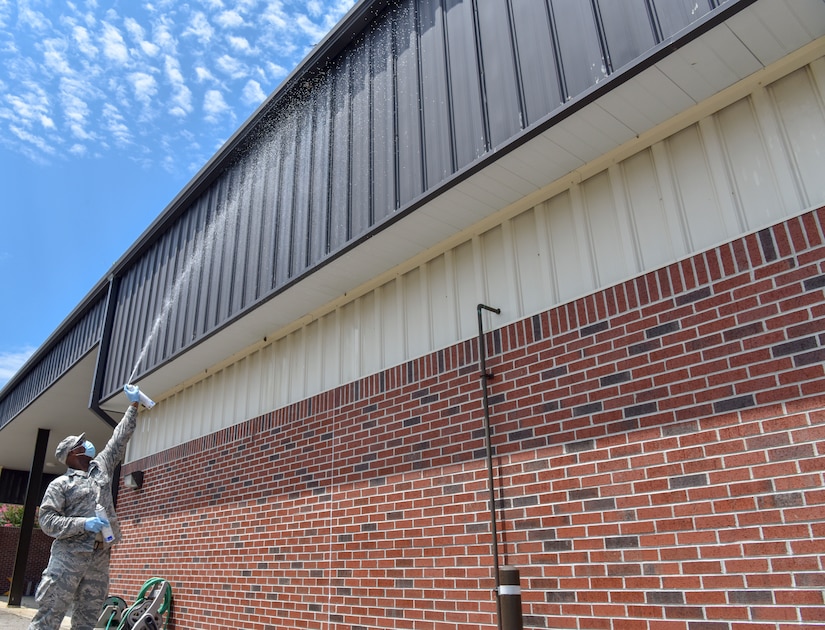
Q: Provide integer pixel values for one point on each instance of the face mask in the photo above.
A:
(90, 449)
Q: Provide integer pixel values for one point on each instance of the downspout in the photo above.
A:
(103, 353)
(485, 376)
(100, 369)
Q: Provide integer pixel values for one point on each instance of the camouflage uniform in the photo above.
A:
(78, 569)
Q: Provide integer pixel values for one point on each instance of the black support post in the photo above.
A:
(29, 509)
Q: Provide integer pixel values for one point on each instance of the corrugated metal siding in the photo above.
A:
(430, 87)
(74, 344)
(752, 164)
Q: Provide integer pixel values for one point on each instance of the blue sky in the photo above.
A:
(107, 111)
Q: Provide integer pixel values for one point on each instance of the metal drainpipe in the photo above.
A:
(485, 376)
(103, 353)
(100, 370)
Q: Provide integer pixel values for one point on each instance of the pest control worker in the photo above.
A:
(77, 575)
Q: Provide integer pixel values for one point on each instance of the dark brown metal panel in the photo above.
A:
(439, 161)
(383, 122)
(538, 61)
(361, 131)
(43, 371)
(574, 27)
(339, 227)
(407, 103)
(628, 29)
(319, 211)
(674, 15)
(470, 134)
(423, 90)
(303, 189)
(501, 82)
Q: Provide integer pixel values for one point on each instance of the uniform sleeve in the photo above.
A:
(112, 454)
(52, 517)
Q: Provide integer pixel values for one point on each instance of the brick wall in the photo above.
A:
(39, 550)
(659, 465)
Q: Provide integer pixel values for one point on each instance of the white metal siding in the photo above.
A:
(748, 166)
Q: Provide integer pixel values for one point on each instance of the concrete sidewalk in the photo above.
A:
(18, 618)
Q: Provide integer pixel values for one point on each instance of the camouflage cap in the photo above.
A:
(66, 445)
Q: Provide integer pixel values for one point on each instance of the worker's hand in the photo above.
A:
(94, 524)
(132, 392)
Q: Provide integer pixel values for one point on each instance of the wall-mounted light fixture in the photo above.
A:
(134, 480)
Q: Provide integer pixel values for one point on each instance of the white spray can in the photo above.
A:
(144, 399)
(106, 532)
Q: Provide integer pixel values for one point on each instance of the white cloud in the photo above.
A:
(73, 96)
(84, 42)
(214, 105)
(11, 362)
(203, 74)
(144, 85)
(54, 57)
(229, 19)
(199, 28)
(32, 107)
(164, 37)
(275, 15)
(181, 94)
(240, 44)
(232, 67)
(114, 47)
(252, 93)
(315, 31)
(113, 122)
(32, 140)
(32, 19)
(138, 35)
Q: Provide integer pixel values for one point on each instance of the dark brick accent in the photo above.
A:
(535, 323)
(750, 597)
(689, 481)
(558, 545)
(793, 347)
(641, 348)
(554, 372)
(576, 447)
(732, 404)
(621, 542)
(593, 329)
(613, 379)
(743, 331)
(640, 410)
(682, 428)
(581, 495)
(586, 410)
(665, 598)
(693, 296)
(816, 282)
(600, 505)
(766, 243)
(663, 329)
(807, 358)
(560, 597)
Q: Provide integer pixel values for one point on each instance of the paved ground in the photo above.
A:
(18, 617)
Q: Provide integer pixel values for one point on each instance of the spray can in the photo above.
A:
(144, 399)
(106, 532)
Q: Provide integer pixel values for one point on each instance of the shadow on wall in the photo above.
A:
(38, 558)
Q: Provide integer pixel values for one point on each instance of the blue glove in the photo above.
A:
(94, 524)
(132, 392)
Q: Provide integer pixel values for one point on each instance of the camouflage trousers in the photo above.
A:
(73, 579)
